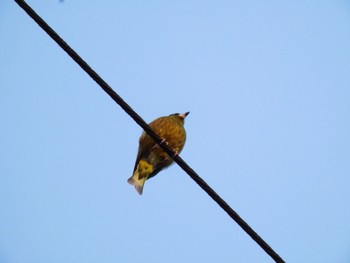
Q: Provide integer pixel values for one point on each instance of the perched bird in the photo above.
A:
(151, 158)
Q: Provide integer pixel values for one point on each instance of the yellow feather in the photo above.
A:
(138, 179)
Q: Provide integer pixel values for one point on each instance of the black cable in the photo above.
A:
(145, 126)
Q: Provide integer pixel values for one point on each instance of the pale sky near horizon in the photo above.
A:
(268, 88)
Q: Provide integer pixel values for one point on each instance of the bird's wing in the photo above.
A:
(138, 158)
(146, 145)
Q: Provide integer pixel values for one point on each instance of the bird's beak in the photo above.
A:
(184, 115)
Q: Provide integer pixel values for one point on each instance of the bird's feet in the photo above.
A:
(175, 154)
(159, 144)
(163, 141)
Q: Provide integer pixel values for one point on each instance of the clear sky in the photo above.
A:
(268, 87)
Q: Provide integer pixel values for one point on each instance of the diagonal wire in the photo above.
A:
(145, 126)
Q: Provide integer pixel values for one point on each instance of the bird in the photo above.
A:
(151, 158)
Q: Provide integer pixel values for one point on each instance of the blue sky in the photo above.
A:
(268, 87)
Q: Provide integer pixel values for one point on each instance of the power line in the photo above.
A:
(145, 126)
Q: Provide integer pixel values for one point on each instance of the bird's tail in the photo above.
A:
(141, 174)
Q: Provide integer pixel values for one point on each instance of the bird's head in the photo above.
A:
(179, 117)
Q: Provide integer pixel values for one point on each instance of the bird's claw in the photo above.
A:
(163, 141)
(159, 144)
